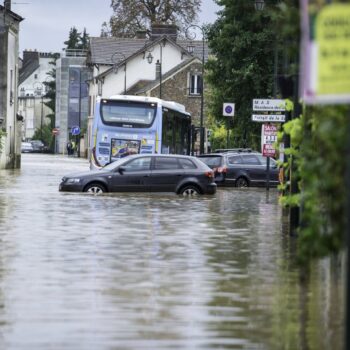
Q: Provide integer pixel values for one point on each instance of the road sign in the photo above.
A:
(269, 105)
(274, 118)
(228, 109)
(268, 138)
(55, 131)
(75, 130)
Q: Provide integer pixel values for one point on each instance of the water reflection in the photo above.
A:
(154, 271)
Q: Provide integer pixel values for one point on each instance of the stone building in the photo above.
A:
(10, 120)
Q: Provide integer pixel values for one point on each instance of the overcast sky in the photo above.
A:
(47, 22)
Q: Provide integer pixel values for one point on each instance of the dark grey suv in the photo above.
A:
(241, 168)
(145, 173)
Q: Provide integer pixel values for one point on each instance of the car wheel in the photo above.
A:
(190, 190)
(242, 182)
(95, 189)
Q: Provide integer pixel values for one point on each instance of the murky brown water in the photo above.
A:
(154, 271)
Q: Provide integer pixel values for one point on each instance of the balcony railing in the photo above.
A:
(74, 53)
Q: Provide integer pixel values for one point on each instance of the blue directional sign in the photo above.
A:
(75, 130)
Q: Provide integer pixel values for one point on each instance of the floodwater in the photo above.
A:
(155, 271)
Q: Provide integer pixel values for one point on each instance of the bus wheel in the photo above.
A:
(190, 190)
(95, 188)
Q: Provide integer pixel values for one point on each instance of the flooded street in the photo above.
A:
(155, 271)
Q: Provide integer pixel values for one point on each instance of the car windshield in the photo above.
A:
(212, 161)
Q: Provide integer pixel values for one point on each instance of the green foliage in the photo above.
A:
(77, 40)
(45, 134)
(218, 137)
(50, 85)
(2, 134)
(244, 43)
(129, 16)
(318, 146)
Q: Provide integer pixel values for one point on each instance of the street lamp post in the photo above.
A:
(192, 36)
(117, 58)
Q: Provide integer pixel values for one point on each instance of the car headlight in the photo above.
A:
(73, 181)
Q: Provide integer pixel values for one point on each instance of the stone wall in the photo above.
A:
(175, 89)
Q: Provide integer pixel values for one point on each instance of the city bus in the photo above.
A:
(125, 125)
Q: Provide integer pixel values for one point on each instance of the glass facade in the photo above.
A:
(78, 97)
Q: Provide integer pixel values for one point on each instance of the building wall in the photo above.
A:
(176, 88)
(34, 116)
(138, 68)
(64, 100)
(34, 82)
(11, 153)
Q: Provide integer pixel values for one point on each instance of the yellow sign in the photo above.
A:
(333, 40)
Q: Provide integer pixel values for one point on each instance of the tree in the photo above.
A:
(130, 16)
(73, 41)
(242, 40)
(84, 40)
(50, 102)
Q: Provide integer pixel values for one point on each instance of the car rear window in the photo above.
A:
(234, 160)
(263, 160)
(250, 159)
(212, 161)
(162, 163)
(187, 163)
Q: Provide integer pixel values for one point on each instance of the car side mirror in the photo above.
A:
(121, 170)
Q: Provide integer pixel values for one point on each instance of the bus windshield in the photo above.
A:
(128, 114)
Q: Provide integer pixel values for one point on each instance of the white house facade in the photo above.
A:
(31, 90)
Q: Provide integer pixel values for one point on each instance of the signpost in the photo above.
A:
(325, 67)
(270, 111)
(228, 110)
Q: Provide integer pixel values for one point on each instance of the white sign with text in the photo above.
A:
(269, 105)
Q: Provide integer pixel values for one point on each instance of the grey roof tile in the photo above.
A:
(102, 49)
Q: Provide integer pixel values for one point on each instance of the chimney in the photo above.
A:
(159, 30)
(29, 55)
(141, 34)
(7, 5)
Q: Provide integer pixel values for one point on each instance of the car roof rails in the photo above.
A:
(227, 150)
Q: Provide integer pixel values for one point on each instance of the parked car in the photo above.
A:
(26, 147)
(38, 146)
(145, 173)
(241, 168)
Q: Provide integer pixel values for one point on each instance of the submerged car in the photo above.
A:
(26, 147)
(38, 146)
(145, 173)
(241, 168)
